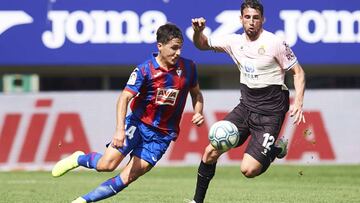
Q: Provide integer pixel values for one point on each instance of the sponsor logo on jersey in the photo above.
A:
(288, 52)
(166, 96)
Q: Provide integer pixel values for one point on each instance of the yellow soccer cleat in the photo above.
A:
(79, 200)
(66, 164)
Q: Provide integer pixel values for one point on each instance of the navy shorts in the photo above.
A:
(144, 141)
(264, 130)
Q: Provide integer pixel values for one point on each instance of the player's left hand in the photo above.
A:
(297, 113)
(197, 119)
(118, 139)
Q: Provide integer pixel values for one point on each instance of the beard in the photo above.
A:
(252, 33)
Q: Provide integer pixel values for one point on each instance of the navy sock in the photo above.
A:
(273, 153)
(106, 189)
(205, 173)
(89, 160)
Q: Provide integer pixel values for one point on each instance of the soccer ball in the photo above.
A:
(223, 135)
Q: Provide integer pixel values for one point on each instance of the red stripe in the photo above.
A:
(151, 110)
(130, 90)
(43, 103)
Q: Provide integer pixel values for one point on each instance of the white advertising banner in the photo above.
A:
(36, 130)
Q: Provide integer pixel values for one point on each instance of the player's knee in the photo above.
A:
(106, 166)
(250, 172)
(210, 155)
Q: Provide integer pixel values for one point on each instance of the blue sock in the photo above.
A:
(89, 160)
(106, 189)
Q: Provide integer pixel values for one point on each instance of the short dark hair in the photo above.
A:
(255, 4)
(167, 32)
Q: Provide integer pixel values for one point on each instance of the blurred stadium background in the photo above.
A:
(63, 64)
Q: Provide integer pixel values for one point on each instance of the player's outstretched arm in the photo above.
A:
(199, 39)
(198, 105)
(299, 83)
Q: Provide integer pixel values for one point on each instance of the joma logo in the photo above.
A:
(13, 18)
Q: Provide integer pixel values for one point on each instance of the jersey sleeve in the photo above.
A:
(285, 56)
(221, 43)
(136, 79)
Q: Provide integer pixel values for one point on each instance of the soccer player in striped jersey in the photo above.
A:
(262, 59)
(157, 90)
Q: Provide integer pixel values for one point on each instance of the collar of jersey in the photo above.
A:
(155, 63)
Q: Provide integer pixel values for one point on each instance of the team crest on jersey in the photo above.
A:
(179, 71)
(261, 50)
(166, 96)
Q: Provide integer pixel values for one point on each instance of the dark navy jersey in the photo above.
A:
(161, 94)
(267, 100)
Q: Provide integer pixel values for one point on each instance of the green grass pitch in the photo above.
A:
(280, 184)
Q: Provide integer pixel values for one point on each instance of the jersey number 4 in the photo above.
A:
(130, 132)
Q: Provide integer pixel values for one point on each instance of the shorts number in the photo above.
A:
(130, 132)
(268, 140)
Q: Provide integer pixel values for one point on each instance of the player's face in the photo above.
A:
(169, 53)
(252, 22)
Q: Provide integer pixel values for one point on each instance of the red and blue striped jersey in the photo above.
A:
(161, 94)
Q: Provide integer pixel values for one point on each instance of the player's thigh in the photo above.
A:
(110, 160)
(264, 132)
(134, 169)
(113, 156)
(153, 146)
(239, 116)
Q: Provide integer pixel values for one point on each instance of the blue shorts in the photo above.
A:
(144, 141)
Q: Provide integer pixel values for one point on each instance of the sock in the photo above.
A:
(89, 160)
(205, 173)
(106, 189)
(273, 153)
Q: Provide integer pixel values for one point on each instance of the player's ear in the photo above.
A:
(241, 19)
(159, 46)
(264, 20)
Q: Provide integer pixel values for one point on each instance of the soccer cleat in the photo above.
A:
(189, 201)
(79, 200)
(66, 164)
(282, 144)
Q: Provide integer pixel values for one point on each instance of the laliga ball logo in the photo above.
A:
(224, 135)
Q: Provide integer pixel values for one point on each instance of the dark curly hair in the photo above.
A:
(255, 4)
(167, 32)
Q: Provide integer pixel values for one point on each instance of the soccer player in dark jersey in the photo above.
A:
(158, 89)
(262, 59)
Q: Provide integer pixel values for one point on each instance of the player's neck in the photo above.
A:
(162, 63)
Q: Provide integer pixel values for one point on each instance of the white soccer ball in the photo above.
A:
(224, 135)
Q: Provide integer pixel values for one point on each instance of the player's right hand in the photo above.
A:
(198, 24)
(118, 139)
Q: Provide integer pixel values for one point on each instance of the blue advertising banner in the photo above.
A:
(121, 32)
